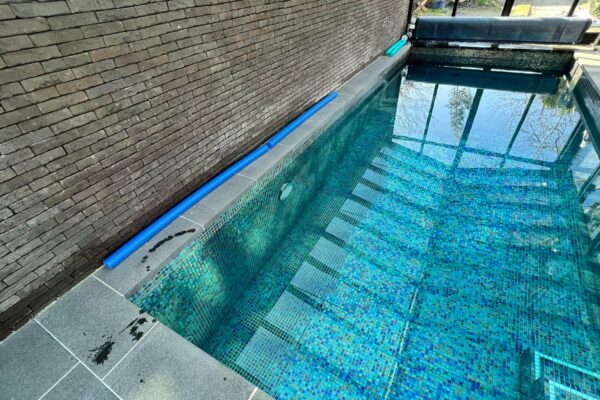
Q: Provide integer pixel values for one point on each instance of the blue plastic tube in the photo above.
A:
(396, 46)
(148, 233)
(279, 136)
(159, 224)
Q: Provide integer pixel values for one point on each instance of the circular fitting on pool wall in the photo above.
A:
(285, 191)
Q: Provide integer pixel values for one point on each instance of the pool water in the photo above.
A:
(430, 244)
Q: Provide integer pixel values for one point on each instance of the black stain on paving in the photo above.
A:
(100, 354)
(134, 327)
(168, 238)
(163, 241)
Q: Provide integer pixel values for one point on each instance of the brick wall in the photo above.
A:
(111, 111)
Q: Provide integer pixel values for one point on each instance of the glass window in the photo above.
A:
(450, 112)
(480, 8)
(433, 7)
(541, 8)
(588, 9)
(416, 97)
(585, 161)
(591, 207)
(506, 110)
(547, 127)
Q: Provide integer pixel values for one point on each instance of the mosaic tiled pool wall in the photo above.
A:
(195, 292)
(439, 253)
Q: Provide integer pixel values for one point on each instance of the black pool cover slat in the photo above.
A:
(502, 29)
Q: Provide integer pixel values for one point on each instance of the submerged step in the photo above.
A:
(399, 171)
(313, 281)
(366, 362)
(265, 356)
(546, 377)
(291, 315)
(366, 193)
(329, 383)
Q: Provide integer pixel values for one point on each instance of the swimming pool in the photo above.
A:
(431, 243)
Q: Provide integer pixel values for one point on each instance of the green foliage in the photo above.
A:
(595, 8)
(481, 3)
(562, 101)
(458, 105)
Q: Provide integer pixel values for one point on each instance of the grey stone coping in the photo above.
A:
(166, 366)
(94, 343)
(31, 362)
(80, 384)
(98, 325)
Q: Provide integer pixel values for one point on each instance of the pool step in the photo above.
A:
(395, 188)
(348, 297)
(484, 205)
(310, 378)
(514, 197)
(400, 270)
(401, 195)
(291, 315)
(544, 377)
(443, 362)
(351, 353)
(508, 178)
(402, 213)
(265, 356)
(523, 219)
(388, 176)
(418, 162)
(394, 207)
(407, 171)
(405, 236)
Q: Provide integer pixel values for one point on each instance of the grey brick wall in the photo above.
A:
(111, 111)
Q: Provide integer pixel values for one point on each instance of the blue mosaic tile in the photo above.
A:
(411, 259)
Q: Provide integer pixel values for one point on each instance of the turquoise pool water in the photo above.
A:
(434, 244)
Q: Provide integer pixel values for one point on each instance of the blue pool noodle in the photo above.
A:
(159, 224)
(396, 46)
(279, 136)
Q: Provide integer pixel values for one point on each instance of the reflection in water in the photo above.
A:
(543, 122)
(458, 105)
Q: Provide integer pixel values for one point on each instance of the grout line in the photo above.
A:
(77, 358)
(191, 220)
(247, 177)
(108, 286)
(58, 381)
(253, 393)
(391, 382)
(130, 350)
